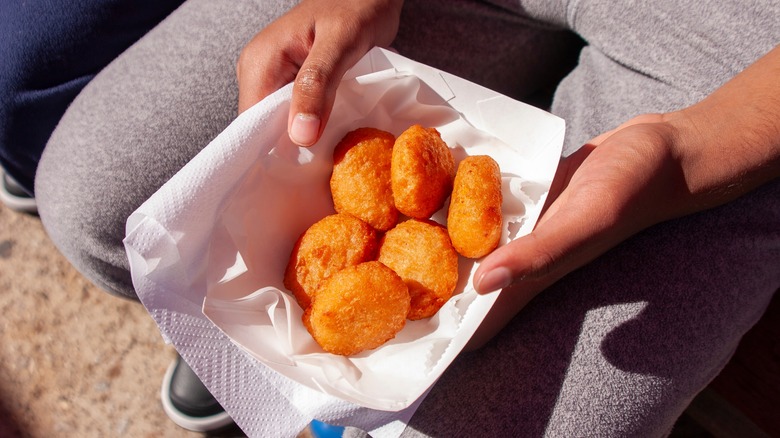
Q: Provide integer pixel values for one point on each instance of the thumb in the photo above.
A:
(314, 90)
(524, 268)
(539, 257)
(555, 234)
(569, 234)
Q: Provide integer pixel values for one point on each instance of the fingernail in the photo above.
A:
(495, 279)
(304, 129)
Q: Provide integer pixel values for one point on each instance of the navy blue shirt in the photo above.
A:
(50, 50)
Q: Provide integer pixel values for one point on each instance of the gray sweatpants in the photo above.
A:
(617, 348)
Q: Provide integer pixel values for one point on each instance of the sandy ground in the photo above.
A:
(74, 361)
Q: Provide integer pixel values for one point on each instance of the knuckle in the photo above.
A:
(543, 264)
(311, 80)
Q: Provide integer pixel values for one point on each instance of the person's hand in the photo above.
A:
(652, 168)
(314, 44)
(614, 186)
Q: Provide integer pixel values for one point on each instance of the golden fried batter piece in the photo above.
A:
(359, 308)
(360, 182)
(330, 245)
(421, 253)
(474, 218)
(422, 172)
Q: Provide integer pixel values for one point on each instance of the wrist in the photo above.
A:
(723, 153)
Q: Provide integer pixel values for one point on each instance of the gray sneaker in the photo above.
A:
(14, 196)
(187, 401)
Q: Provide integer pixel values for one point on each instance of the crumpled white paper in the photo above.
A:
(218, 235)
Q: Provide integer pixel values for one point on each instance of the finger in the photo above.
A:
(572, 234)
(529, 251)
(521, 270)
(315, 87)
(592, 214)
(494, 273)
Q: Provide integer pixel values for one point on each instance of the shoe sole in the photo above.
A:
(195, 424)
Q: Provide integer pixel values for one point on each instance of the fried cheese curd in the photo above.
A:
(331, 244)
(474, 218)
(421, 253)
(422, 172)
(360, 182)
(358, 308)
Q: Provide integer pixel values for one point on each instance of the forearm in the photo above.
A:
(729, 143)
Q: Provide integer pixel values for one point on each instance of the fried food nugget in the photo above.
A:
(328, 246)
(474, 219)
(421, 253)
(422, 172)
(359, 308)
(360, 182)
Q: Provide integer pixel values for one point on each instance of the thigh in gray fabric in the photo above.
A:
(165, 98)
(619, 347)
(136, 124)
(656, 57)
(488, 44)
(616, 348)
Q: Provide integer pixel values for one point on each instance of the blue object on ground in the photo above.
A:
(325, 430)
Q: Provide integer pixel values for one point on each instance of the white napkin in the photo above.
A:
(208, 250)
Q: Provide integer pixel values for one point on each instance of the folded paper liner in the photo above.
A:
(208, 250)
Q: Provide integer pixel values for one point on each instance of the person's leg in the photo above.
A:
(655, 58)
(163, 100)
(131, 128)
(621, 346)
(50, 51)
(137, 123)
(510, 396)
(489, 45)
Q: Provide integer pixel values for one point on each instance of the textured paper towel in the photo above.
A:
(221, 229)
